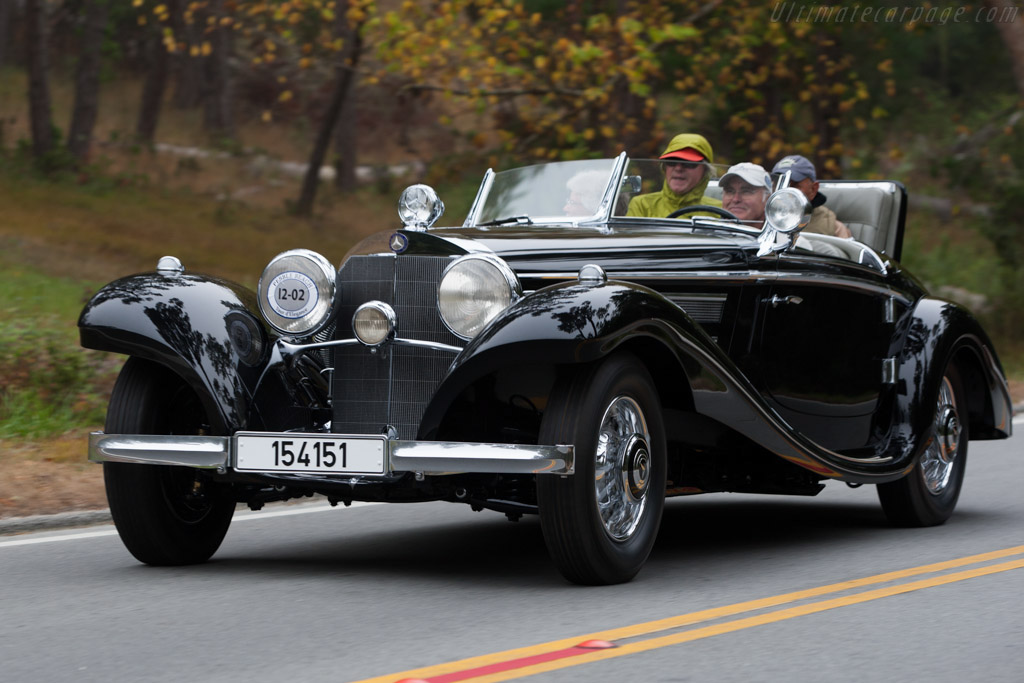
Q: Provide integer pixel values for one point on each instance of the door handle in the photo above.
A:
(776, 300)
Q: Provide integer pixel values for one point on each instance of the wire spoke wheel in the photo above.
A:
(938, 461)
(927, 496)
(622, 468)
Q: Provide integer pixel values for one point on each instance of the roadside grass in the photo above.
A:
(50, 384)
(98, 230)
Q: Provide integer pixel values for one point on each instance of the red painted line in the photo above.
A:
(522, 662)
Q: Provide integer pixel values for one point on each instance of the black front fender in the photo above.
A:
(203, 328)
(567, 324)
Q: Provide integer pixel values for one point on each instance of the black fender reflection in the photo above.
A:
(938, 332)
(187, 323)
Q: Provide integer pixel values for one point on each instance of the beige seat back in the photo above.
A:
(874, 211)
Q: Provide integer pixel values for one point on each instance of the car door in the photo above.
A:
(823, 357)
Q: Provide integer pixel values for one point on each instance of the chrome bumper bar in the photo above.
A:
(426, 457)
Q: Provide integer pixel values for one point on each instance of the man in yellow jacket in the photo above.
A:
(687, 161)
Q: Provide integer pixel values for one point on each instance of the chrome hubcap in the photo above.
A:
(939, 457)
(623, 468)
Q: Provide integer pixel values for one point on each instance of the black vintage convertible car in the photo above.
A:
(582, 367)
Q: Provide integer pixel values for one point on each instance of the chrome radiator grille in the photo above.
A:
(391, 387)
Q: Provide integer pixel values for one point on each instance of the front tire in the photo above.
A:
(928, 494)
(164, 515)
(601, 523)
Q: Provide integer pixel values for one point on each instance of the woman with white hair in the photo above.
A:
(585, 190)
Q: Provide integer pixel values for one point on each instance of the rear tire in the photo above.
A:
(601, 523)
(927, 496)
(164, 515)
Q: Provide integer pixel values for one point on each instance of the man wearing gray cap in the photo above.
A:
(823, 219)
(745, 189)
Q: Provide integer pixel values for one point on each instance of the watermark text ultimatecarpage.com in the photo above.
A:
(819, 14)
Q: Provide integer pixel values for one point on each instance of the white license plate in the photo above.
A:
(326, 453)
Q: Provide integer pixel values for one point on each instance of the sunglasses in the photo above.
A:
(683, 164)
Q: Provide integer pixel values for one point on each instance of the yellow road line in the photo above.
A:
(748, 622)
(650, 627)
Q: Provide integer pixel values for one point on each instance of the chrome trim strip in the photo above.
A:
(203, 452)
(426, 457)
(760, 277)
(889, 310)
(485, 189)
(436, 346)
(885, 185)
(659, 275)
(440, 457)
(889, 370)
(604, 210)
(289, 349)
(840, 281)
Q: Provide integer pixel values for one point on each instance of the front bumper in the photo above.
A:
(425, 457)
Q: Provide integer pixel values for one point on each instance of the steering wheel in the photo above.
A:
(703, 207)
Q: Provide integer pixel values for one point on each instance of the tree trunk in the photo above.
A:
(345, 132)
(188, 68)
(344, 74)
(87, 81)
(345, 143)
(217, 113)
(40, 110)
(5, 27)
(1010, 24)
(158, 63)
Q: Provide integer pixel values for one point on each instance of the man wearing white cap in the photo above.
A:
(803, 177)
(745, 189)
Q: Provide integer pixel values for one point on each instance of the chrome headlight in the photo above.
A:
(473, 290)
(419, 207)
(296, 292)
(787, 210)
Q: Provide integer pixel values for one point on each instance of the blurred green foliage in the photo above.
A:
(50, 384)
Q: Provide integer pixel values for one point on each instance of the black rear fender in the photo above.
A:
(939, 332)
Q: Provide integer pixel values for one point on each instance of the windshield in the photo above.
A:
(592, 191)
(559, 192)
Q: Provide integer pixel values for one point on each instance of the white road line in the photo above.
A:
(33, 540)
(242, 516)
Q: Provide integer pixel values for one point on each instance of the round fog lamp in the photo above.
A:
(373, 323)
(787, 210)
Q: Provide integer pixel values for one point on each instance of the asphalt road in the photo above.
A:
(741, 588)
